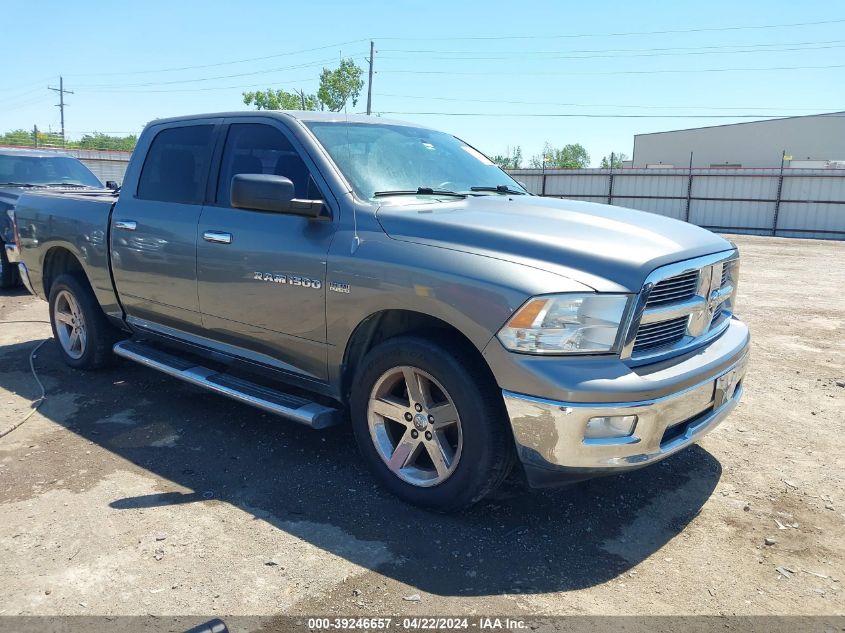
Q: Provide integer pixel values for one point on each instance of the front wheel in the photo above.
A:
(430, 423)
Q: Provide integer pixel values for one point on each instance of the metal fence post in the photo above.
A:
(689, 190)
(777, 200)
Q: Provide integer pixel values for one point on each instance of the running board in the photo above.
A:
(293, 407)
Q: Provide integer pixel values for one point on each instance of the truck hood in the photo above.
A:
(609, 248)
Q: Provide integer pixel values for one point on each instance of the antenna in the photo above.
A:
(356, 240)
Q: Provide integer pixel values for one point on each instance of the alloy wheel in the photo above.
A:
(415, 426)
(70, 325)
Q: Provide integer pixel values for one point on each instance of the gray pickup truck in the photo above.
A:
(24, 169)
(352, 269)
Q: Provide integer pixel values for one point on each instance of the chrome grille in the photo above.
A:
(662, 333)
(681, 306)
(673, 289)
(716, 315)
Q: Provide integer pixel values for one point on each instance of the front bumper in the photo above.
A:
(549, 433)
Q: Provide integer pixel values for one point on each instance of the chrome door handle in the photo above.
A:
(218, 237)
(126, 225)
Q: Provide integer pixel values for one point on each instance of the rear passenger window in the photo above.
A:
(177, 165)
(254, 148)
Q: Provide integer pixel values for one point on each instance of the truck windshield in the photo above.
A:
(54, 171)
(385, 159)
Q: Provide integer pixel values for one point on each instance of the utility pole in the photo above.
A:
(61, 105)
(35, 135)
(370, 83)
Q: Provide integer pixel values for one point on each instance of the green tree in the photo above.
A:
(572, 156)
(281, 100)
(341, 85)
(17, 137)
(337, 87)
(613, 161)
(24, 138)
(511, 160)
(98, 140)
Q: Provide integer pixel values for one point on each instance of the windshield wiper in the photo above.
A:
(44, 184)
(420, 191)
(500, 189)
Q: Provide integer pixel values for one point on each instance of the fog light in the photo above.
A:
(609, 426)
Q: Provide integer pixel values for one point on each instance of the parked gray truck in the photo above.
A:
(24, 169)
(331, 268)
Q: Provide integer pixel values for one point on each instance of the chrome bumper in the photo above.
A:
(550, 434)
(13, 253)
(24, 274)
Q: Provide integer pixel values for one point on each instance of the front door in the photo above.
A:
(261, 275)
(154, 228)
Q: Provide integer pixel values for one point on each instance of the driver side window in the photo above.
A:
(256, 148)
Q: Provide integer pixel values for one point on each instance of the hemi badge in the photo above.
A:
(338, 286)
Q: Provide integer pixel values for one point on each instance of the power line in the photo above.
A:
(30, 102)
(601, 105)
(118, 90)
(480, 38)
(201, 79)
(39, 85)
(624, 34)
(614, 72)
(510, 56)
(24, 94)
(613, 50)
(600, 116)
(218, 64)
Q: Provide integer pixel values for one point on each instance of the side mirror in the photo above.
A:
(268, 192)
(112, 184)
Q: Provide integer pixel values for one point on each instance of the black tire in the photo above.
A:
(9, 277)
(487, 453)
(100, 334)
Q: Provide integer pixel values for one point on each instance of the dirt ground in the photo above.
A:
(131, 493)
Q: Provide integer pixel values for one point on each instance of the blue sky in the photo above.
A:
(439, 63)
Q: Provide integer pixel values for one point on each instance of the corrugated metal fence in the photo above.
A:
(788, 203)
(106, 164)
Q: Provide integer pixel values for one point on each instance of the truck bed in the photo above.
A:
(77, 222)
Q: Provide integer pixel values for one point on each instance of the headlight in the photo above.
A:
(566, 324)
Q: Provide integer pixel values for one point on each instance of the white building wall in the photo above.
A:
(753, 144)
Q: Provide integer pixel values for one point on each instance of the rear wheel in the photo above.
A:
(83, 332)
(430, 423)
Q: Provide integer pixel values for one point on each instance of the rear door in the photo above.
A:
(262, 275)
(154, 227)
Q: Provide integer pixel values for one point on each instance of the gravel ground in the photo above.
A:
(131, 493)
